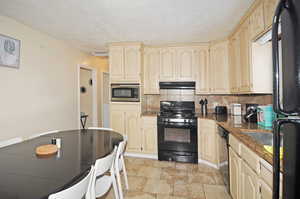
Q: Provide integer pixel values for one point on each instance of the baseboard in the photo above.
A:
(155, 157)
(208, 163)
(141, 155)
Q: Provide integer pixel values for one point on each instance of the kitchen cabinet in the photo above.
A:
(245, 75)
(182, 63)
(257, 21)
(201, 65)
(234, 172)
(151, 70)
(269, 10)
(116, 62)
(207, 141)
(125, 63)
(265, 192)
(249, 182)
(234, 71)
(219, 67)
(185, 66)
(149, 129)
(167, 64)
(125, 119)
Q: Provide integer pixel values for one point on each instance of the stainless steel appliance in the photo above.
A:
(224, 155)
(125, 92)
(286, 95)
(177, 132)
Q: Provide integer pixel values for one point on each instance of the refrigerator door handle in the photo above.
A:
(283, 4)
(276, 157)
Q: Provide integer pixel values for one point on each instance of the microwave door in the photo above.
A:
(286, 58)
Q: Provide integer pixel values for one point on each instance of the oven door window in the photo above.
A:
(177, 135)
(122, 93)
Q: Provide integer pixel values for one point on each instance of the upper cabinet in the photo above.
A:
(201, 65)
(185, 66)
(167, 64)
(257, 21)
(219, 68)
(125, 63)
(151, 70)
(176, 63)
(269, 10)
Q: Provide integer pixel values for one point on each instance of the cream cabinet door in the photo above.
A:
(249, 183)
(167, 64)
(151, 70)
(133, 131)
(201, 66)
(269, 11)
(117, 120)
(235, 69)
(185, 69)
(207, 143)
(234, 172)
(219, 68)
(245, 80)
(116, 63)
(265, 192)
(149, 135)
(257, 25)
(132, 60)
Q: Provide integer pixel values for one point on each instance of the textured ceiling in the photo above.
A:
(91, 24)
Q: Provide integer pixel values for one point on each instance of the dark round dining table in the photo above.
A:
(24, 175)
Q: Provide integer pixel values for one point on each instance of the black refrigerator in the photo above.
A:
(286, 98)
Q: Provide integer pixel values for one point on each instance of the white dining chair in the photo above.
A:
(10, 142)
(41, 134)
(100, 128)
(120, 166)
(77, 191)
(101, 181)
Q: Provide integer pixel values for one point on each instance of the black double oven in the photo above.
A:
(177, 132)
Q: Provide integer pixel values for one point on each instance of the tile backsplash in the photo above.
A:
(151, 102)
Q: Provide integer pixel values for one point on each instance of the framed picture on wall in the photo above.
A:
(9, 51)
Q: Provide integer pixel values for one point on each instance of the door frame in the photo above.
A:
(102, 96)
(94, 86)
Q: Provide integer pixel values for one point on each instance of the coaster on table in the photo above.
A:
(46, 150)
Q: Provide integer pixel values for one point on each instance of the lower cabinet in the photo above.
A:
(125, 119)
(234, 171)
(249, 183)
(149, 129)
(207, 141)
(141, 131)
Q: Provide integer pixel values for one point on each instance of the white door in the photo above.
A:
(86, 95)
(105, 111)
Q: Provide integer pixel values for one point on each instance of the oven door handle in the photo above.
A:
(172, 125)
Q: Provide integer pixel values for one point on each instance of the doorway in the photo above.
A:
(88, 95)
(105, 100)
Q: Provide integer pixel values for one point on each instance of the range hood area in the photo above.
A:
(177, 85)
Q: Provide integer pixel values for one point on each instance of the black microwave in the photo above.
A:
(125, 92)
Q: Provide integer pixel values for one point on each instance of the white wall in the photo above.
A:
(42, 94)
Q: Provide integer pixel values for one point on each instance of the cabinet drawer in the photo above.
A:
(251, 158)
(235, 144)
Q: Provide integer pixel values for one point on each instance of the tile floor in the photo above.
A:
(153, 179)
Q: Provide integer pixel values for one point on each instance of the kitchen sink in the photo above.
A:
(262, 138)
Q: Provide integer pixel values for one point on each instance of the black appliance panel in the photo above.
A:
(288, 131)
(184, 138)
(177, 85)
(287, 85)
